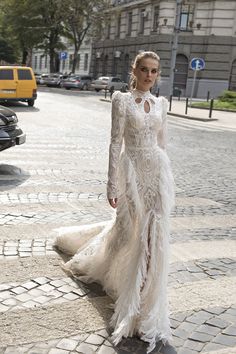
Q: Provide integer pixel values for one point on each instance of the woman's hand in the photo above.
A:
(113, 202)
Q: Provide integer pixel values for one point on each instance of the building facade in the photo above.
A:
(206, 29)
(40, 60)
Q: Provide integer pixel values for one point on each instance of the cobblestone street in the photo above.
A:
(58, 178)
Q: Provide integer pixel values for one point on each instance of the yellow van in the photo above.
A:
(17, 83)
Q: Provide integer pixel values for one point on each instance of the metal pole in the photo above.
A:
(193, 86)
(186, 106)
(174, 45)
(211, 107)
(170, 103)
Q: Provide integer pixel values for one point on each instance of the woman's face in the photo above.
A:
(146, 73)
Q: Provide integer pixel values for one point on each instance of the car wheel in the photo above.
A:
(30, 103)
(67, 88)
(97, 90)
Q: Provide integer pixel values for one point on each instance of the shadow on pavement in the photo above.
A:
(19, 106)
(131, 345)
(11, 176)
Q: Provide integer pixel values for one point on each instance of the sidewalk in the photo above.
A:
(221, 119)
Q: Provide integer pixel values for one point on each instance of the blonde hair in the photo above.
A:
(137, 60)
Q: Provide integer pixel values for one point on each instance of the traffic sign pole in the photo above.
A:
(196, 64)
(193, 86)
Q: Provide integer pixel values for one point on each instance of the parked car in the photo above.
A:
(110, 83)
(40, 78)
(55, 80)
(10, 133)
(81, 82)
(17, 83)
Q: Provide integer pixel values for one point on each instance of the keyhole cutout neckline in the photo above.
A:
(146, 105)
(145, 98)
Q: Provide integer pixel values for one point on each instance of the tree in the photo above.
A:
(6, 52)
(32, 24)
(52, 13)
(19, 19)
(80, 19)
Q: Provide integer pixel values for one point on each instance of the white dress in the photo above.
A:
(129, 256)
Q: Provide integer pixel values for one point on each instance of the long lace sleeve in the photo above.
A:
(117, 132)
(162, 133)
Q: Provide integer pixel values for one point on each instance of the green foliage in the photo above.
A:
(218, 104)
(6, 52)
(43, 23)
(228, 96)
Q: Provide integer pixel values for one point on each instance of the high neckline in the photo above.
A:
(141, 94)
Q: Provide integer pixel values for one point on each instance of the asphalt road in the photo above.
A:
(58, 178)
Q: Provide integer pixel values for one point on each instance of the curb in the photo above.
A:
(192, 118)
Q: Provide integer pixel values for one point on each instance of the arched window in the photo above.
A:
(104, 66)
(181, 72)
(126, 69)
(115, 66)
(97, 68)
(232, 78)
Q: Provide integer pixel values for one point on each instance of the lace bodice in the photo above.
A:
(135, 128)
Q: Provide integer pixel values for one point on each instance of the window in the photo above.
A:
(24, 74)
(126, 68)
(129, 24)
(86, 61)
(115, 79)
(155, 18)
(186, 17)
(108, 30)
(6, 74)
(71, 58)
(142, 20)
(118, 26)
(181, 72)
(105, 63)
(35, 62)
(78, 62)
(40, 61)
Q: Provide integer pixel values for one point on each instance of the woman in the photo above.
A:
(129, 256)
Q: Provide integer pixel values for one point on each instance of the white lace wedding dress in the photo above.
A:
(129, 256)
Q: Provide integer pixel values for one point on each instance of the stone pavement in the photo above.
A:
(43, 310)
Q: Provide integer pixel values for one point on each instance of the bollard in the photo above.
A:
(105, 93)
(208, 95)
(111, 91)
(211, 107)
(170, 103)
(186, 106)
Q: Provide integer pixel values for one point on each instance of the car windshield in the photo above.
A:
(53, 76)
(103, 78)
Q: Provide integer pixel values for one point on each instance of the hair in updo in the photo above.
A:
(137, 60)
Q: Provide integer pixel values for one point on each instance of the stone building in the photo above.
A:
(206, 29)
(40, 60)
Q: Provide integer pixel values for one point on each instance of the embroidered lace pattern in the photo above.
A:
(130, 255)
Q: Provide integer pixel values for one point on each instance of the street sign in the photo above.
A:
(197, 64)
(63, 55)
